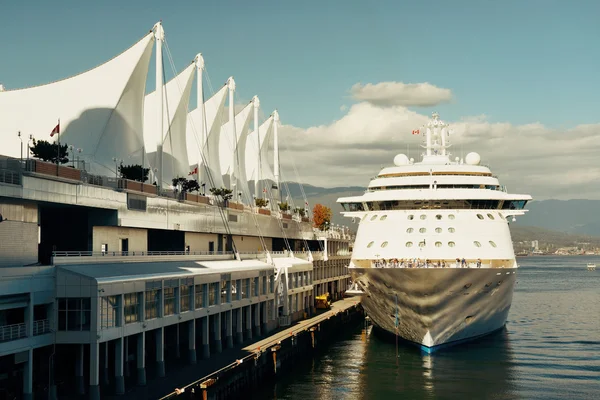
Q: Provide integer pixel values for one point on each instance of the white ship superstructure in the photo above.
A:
(433, 251)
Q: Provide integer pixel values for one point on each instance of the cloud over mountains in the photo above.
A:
(530, 158)
(388, 94)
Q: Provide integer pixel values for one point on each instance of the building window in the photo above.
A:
(152, 303)
(410, 230)
(224, 291)
(213, 293)
(409, 244)
(492, 244)
(131, 307)
(477, 244)
(74, 314)
(422, 230)
(253, 288)
(438, 230)
(271, 284)
(438, 244)
(185, 300)
(264, 285)
(370, 244)
(451, 244)
(199, 296)
(169, 301)
(479, 216)
(109, 312)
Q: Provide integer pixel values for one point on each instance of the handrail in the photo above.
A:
(138, 253)
(13, 332)
(41, 326)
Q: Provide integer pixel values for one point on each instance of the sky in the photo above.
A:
(518, 80)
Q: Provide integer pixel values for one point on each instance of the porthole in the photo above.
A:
(438, 216)
(370, 244)
(451, 244)
(477, 244)
(409, 244)
(374, 217)
(451, 230)
(438, 230)
(364, 217)
(422, 230)
(501, 216)
(410, 230)
(438, 244)
(450, 216)
(383, 217)
(411, 217)
(422, 244)
(492, 244)
(490, 216)
(423, 216)
(384, 244)
(479, 216)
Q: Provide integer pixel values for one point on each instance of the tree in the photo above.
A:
(47, 151)
(191, 185)
(299, 210)
(284, 206)
(321, 217)
(261, 202)
(134, 172)
(223, 193)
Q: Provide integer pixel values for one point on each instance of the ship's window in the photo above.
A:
(451, 230)
(477, 244)
(370, 244)
(408, 244)
(451, 244)
(410, 230)
(492, 244)
(438, 216)
(383, 217)
(423, 216)
(479, 216)
(450, 216)
(411, 217)
(490, 216)
(422, 244)
(501, 216)
(438, 230)
(374, 217)
(438, 244)
(422, 230)
(384, 244)
(364, 217)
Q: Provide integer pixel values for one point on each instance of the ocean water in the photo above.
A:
(550, 349)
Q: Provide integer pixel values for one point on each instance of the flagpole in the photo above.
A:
(58, 149)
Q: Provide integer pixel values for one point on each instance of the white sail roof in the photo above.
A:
(100, 110)
(175, 111)
(237, 157)
(265, 136)
(213, 111)
(228, 142)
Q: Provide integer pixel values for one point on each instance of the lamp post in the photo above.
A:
(71, 148)
(21, 139)
(116, 160)
(28, 148)
(79, 151)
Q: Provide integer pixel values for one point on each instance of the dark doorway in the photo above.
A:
(211, 246)
(124, 245)
(162, 240)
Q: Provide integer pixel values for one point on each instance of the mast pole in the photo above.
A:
(199, 60)
(159, 35)
(231, 86)
(276, 149)
(256, 104)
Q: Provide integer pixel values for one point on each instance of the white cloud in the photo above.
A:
(387, 94)
(531, 158)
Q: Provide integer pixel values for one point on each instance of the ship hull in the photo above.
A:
(437, 307)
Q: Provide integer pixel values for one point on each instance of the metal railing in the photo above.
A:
(41, 327)
(138, 253)
(13, 332)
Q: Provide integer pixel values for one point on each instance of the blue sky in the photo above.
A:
(514, 61)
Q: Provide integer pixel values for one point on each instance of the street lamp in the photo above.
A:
(21, 139)
(116, 160)
(79, 150)
(28, 148)
(71, 147)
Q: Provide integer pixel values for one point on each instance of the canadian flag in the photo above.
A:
(265, 190)
(55, 130)
(415, 132)
(194, 171)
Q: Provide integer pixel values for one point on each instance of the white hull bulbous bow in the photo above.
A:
(437, 306)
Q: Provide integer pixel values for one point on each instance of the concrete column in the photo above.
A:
(205, 337)
(229, 328)
(79, 370)
(257, 320)
(94, 371)
(239, 335)
(177, 344)
(105, 380)
(140, 358)
(119, 378)
(249, 322)
(192, 341)
(28, 376)
(126, 359)
(265, 318)
(160, 352)
(217, 332)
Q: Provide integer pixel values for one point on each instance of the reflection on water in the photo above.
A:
(549, 350)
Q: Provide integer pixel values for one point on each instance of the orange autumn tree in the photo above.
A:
(321, 216)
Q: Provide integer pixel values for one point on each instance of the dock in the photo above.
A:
(243, 368)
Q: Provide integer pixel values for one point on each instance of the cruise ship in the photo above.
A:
(433, 252)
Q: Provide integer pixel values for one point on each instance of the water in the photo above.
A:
(550, 349)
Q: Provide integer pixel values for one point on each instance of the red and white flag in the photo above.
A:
(265, 190)
(55, 130)
(415, 132)
(194, 171)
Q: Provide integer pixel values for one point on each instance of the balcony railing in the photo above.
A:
(41, 327)
(12, 332)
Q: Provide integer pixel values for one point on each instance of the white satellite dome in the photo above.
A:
(473, 159)
(400, 160)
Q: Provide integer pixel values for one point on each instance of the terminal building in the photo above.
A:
(107, 281)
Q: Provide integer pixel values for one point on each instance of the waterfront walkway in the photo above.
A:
(179, 376)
